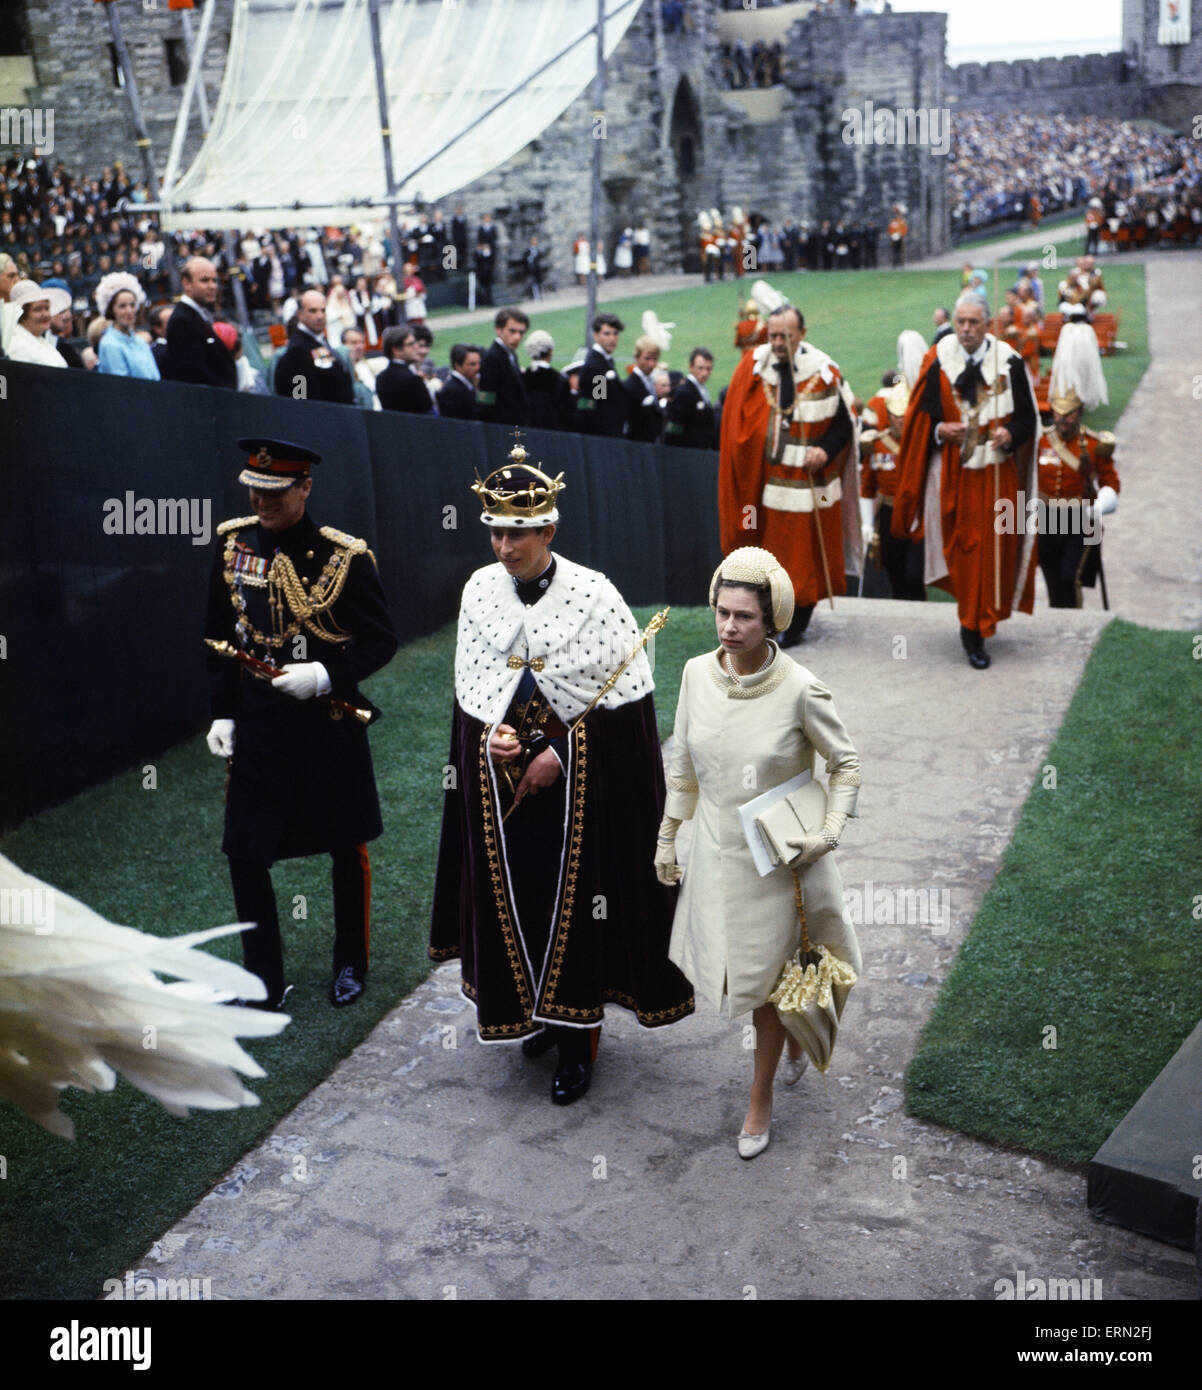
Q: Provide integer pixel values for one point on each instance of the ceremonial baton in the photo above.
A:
(997, 480)
(265, 671)
(652, 627)
(826, 573)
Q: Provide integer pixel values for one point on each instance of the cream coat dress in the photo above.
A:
(736, 738)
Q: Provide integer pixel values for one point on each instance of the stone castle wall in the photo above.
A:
(675, 141)
(1097, 84)
(69, 43)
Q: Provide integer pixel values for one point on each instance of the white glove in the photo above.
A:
(1106, 501)
(303, 680)
(666, 868)
(813, 847)
(867, 520)
(220, 738)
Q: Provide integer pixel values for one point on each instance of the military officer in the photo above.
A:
(1078, 484)
(301, 619)
(879, 444)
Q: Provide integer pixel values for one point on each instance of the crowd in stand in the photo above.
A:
(1012, 166)
(761, 65)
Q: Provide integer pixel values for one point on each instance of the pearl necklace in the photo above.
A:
(730, 666)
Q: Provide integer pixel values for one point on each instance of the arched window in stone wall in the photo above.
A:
(684, 130)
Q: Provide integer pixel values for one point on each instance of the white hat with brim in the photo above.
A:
(26, 292)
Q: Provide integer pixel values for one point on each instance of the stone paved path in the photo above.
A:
(435, 1167)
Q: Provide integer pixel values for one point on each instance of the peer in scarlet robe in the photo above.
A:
(962, 499)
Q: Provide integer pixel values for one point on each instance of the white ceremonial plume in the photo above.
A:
(767, 300)
(911, 349)
(705, 221)
(79, 1002)
(659, 333)
(1077, 365)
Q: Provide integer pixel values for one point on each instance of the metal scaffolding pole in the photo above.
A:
(394, 235)
(135, 106)
(195, 84)
(599, 134)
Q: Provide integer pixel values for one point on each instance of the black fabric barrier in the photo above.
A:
(101, 662)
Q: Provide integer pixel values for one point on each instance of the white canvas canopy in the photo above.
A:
(297, 123)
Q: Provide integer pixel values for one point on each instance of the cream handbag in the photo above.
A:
(801, 812)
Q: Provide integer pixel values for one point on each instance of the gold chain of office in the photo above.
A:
(285, 592)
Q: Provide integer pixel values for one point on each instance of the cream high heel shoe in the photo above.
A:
(752, 1144)
(792, 1070)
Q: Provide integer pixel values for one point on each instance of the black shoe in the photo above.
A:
(974, 645)
(271, 1005)
(796, 630)
(348, 985)
(570, 1082)
(539, 1044)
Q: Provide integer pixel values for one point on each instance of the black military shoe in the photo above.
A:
(974, 645)
(348, 985)
(271, 1005)
(571, 1081)
(539, 1044)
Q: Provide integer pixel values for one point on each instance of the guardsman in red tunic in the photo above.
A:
(788, 456)
(880, 441)
(1078, 484)
(899, 229)
(751, 331)
(965, 457)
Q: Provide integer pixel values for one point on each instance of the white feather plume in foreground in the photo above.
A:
(79, 1002)
(659, 333)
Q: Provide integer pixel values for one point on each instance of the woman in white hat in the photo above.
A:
(36, 306)
(749, 719)
(121, 352)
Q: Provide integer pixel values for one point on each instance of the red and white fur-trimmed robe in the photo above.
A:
(766, 496)
(954, 504)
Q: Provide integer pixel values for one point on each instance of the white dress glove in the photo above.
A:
(303, 680)
(220, 738)
(813, 847)
(1106, 501)
(666, 868)
(867, 520)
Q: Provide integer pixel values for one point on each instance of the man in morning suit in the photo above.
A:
(399, 386)
(601, 403)
(457, 399)
(194, 352)
(690, 411)
(502, 393)
(644, 418)
(308, 369)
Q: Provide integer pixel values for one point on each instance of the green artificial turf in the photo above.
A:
(1089, 927)
(75, 1213)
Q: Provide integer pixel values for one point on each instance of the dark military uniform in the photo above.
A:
(301, 779)
(1070, 473)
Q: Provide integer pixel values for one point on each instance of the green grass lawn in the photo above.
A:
(855, 316)
(74, 1214)
(1088, 928)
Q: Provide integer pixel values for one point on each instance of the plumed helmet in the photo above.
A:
(751, 565)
